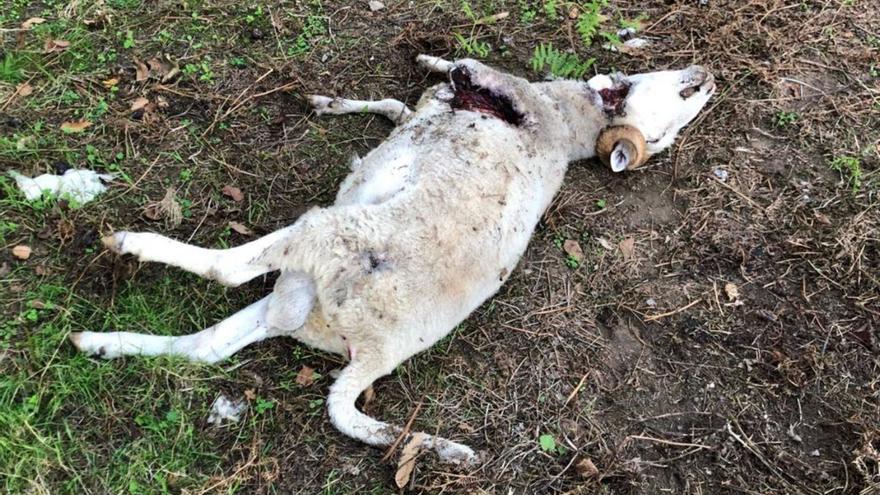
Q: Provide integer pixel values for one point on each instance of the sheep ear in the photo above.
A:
(623, 155)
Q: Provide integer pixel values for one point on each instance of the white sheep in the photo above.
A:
(425, 228)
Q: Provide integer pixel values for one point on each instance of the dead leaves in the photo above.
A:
(21, 252)
(573, 249)
(139, 103)
(33, 21)
(732, 291)
(407, 461)
(627, 248)
(306, 376)
(154, 68)
(53, 46)
(586, 468)
(240, 228)
(75, 126)
(168, 208)
(233, 193)
(24, 89)
(142, 72)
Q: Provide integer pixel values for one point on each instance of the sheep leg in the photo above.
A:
(394, 110)
(356, 377)
(230, 267)
(435, 64)
(211, 345)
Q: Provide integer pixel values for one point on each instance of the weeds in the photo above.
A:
(559, 64)
(590, 18)
(850, 168)
(784, 119)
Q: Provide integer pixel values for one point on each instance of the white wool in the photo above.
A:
(79, 185)
(226, 409)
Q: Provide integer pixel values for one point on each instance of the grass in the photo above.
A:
(48, 399)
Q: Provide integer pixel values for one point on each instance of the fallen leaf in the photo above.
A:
(233, 192)
(732, 291)
(168, 208)
(53, 45)
(142, 72)
(306, 376)
(823, 218)
(407, 461)
(241, 229)
(573, 13)
(573, 249)
(33, 21)
(64, 230)
(250, 394)
(77, 126)
(586, 468)
(139, 103)
(605, 244)
(627, 247)
(24, 89)
(369, 395)
(21, 252)
(158, 68)
(110, 83)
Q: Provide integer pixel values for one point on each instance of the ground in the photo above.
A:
(720, 334)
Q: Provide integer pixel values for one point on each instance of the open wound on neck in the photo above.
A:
(470, 96)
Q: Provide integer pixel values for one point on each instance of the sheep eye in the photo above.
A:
(688, 92)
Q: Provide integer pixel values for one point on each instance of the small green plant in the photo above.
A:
(548, 444)
(527, 14)
(558, 63)
(590, 18)
(11, 68)
(784, 118)
(601, 203)
(468, 10)
(472, 46)
(635, 24)
(313, 27)
(263, 405)
(572, 262)
(201, 70)
(128, 42)
(254, 15)
(850, 168)
(550, 8)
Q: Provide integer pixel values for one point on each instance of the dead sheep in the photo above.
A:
(425, 228)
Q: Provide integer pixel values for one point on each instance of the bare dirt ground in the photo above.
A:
(720, 335)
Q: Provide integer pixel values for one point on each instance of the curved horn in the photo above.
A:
(625, 136)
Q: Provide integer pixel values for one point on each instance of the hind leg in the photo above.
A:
(394, 110)
(213, 344)
(231, 267)
(363, 370)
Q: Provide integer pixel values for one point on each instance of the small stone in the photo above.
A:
(376, 5)
(721, 174)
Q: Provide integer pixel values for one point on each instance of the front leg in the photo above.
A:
(394, 110)
(435, 64)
